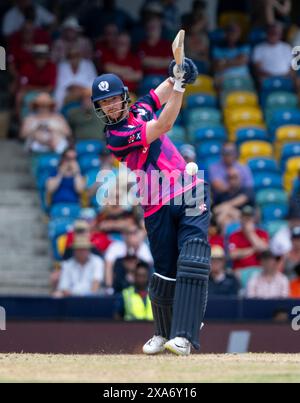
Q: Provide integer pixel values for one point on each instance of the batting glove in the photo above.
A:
(190, 70)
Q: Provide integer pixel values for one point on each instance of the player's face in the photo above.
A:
(112, 106)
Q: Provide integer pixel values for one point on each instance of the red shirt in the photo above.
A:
(131, 61)
(99, 240)
(239, 241)
(217, 240)
(30, 74)
(163, 49)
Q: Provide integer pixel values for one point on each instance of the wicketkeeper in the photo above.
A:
(178, 240)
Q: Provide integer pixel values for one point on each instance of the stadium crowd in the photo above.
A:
(240, 123)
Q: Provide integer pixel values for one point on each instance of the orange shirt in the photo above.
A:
(295, 288)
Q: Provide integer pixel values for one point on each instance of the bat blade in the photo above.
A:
(178, 48)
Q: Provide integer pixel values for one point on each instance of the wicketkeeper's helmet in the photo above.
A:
(107, 86)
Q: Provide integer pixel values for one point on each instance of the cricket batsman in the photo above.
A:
(178, 241)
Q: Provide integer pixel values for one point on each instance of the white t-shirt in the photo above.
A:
(14, 19)
(274, 59)
(118, 249)
(84, 77)
(261, 287)
(79, 279)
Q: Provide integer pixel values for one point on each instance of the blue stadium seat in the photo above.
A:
(208, 149)
(216, 37)
(89, 147)
(288, 151)
(202, 117)
(91, 177)
(273, 212)
(47, 163)
(263, 165)
(65, 210)
(251, 133)
(267, 180)
(150, 82)
(278, 84)
(256, 36)
(201, 100)
(268, 196)
(283, 117)
(216, 133)
(57, 228)
(88, 162)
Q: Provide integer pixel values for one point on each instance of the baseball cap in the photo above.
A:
(217, 252)
(295, 232)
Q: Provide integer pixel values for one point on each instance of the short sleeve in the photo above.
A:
(123, 141)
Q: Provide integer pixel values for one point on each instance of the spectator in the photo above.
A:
(277, 11)
(15, 17)
(68, 184)
(36, 75)
(171, 17)
(95, 18)
(155, 52)
(246, 245)
(197, 17)
(83, 120)
(228, 204)
(197, 48)
(295, 284)
(83, 274)
(71, 36)
(218, 172)
(281, 243)
(44, 130)
(270, 283)
(124, 63)
(124, 271)
(214, 235)
(232, 59)
(133, 243)
(105, 46)
(292, 259)
(220, 282)
(188, 152)
(74, 74)
(273, 57)
(135, 303)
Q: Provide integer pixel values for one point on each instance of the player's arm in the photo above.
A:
(164, 91)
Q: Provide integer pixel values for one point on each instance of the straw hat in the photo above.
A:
(217, 252)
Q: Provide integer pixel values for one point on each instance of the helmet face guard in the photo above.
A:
(122, 115)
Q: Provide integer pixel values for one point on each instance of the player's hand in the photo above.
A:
(189, 69)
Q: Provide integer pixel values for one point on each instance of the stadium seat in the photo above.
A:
(203, 116)
(256, 36)
(216, 37)
(281, 99)
(289, 151)
(149, 82)
(283, 117)
(91, 177)
(273, 212)
(272, 227)
(268, 196)
(209, 149)
(238, 84)
(201, 100)
(250, 133)
(88, 162)
(263, 165)
(210, 133)
(203, 85)
(275, 84)
(253, 149)
(89, 147)
(65, 210)
(241, 98)
(47, 163)
(292, 169)
(56, 229)
(229, 17)
(267, 180)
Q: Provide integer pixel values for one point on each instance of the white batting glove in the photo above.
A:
(178, 80)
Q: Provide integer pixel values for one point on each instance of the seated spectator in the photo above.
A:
(21, 43)
(83, 274)
(83, 120)
(246, 245)
(40, 74)
(197, 48)
(133, 244)
(228, 205)
(295, 284)
(281, 243)
(231, 59)
(124, 63)
(74, 74)
(218, 173)
(15, 16)
(270, 283)
(67, 185)
(71, 36)
(44, 130)
(215, 236)
(273, 57)
(171, 17)
(105, 45)
(124, 271)
(277, 11)
(155, 52)
(292, 259)
(135, 303)
(197, 17)
(220, 282)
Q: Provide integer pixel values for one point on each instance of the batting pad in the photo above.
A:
(191, 290)
(161, 293)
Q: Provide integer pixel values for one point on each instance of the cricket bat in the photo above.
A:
(178, 49)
